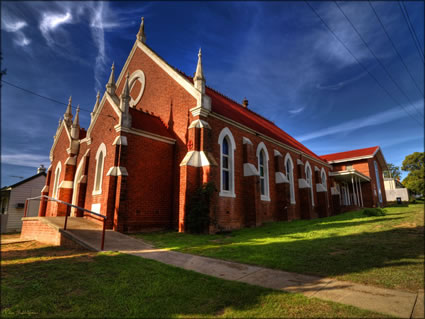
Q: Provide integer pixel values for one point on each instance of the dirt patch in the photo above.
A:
(34, 249)
(405, 225)
(338, 252)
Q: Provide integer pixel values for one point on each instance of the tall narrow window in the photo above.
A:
(309, 180)
(323, 175)
(289, 168)
(56, 181)
(263, 170)
(262, 174)
(100, 159)
(227, 163)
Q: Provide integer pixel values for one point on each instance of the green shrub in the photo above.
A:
(374, 212)
(198, 209)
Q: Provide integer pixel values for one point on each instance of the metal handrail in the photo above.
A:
(68, 211)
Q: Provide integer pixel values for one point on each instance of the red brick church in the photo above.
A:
(157, 135)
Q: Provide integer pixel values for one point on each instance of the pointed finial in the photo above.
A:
(110, 86)
(199, 79)
(127, 86)
(96, 105)
(68, 113)
(141, 34)
(77, 117)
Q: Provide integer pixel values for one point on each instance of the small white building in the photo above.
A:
(394, 189)
(12, 203)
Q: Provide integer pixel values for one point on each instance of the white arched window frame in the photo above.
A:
(263, 170)
(289, 169)
(323, 177)
(227, 163)
(58, 171)
(100, 163)
(309, 180)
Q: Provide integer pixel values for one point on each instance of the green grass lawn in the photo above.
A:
(45, 281)
(385, 251)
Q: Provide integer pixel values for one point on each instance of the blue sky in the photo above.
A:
(277, 54)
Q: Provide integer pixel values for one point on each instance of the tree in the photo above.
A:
(414, 164)
(393, 172)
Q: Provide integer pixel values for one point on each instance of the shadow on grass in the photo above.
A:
(330, 256)
(118, 285)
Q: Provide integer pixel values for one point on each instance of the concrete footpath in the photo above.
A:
(392, 302)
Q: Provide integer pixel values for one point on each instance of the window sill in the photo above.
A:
(97, 192)
(265, 198)
(227, 194)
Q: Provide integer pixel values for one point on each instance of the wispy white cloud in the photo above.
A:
(368, 121)
(340, 85)
(12, 25)
(297, 110)
(24, 159)
(51, 21)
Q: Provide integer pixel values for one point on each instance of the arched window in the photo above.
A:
(56, 181)
(289, 168)
(227, 163)
(100, 160)
(309, 180)
(263, 169)
(323, 176)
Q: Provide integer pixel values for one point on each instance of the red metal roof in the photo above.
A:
(147, 122)
(350, 154)
(235, 111)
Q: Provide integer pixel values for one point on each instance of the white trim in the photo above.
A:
(72, 160)
(114, 106)
(299, 162)
(346, 172)
(302, 183)
(320, 188)
(325, 182)
(150, 135)
(316, 169)
(290, 177)
(197, 159)
(117, 171)
(281, 178)
(45, 189)
(310, 181)
(185, 83)
(101, 149)
(351, 159)
(58, 171)
(277, 153)
(140, 76)
(250, 170)
(95, 208)
(334, 191)
(56, 138)
(199, 124)
(226, 133)
(66, 184)
(255, 133)
(262, 147)
(120, 140)
(246, 140)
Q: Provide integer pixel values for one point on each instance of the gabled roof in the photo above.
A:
(23, 181)
(147, 122)
(350, 155)
(224, 106)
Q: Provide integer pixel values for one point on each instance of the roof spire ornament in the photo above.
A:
(199, 78)
(110, 86)
(75, 128)
(125, 103)
(141, 34)
(96, 105)
(67, 117)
